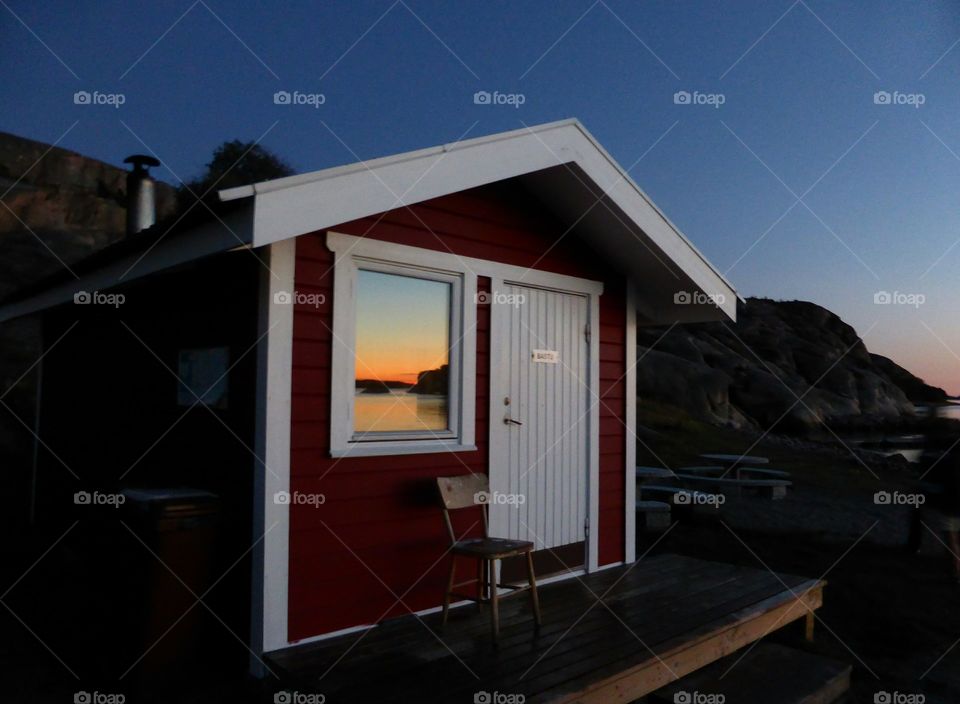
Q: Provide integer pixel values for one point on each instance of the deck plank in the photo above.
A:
(688, 612)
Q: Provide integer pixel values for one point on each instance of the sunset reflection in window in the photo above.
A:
(402, 354)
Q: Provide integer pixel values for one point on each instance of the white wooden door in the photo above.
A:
(540, 416)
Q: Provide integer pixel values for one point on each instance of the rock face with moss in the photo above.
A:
(752, 373)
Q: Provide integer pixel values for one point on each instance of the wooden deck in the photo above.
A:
(660, 619)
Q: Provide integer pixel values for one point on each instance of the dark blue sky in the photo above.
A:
(797, 81)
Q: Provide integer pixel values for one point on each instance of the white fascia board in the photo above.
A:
(312, 202)
(357, 193)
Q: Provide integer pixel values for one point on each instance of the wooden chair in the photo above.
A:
(468, 491)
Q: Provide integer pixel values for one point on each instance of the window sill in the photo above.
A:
(375, 449)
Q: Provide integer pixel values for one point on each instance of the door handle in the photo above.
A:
(508, 420)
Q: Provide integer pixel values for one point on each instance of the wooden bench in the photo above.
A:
(654, 514)
(775, 488)
(681, 498)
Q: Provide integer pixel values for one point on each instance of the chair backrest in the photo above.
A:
(464, 491)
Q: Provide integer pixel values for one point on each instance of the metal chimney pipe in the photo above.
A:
(141, 200)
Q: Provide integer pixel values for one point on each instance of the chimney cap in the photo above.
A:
(141, 161)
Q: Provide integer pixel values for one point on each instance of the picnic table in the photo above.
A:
(735, 463)
(645, 473)
(717, 469)
(735, 460)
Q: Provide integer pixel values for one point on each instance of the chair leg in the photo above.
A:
(494, 603)
(446, 596)
(531, 578)
(481, 583)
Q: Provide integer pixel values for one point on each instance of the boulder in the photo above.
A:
(791, 364)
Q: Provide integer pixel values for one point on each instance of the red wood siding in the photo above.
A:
(375, 548)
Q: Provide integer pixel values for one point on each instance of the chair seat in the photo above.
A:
(494, 548)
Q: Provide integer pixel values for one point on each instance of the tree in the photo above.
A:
(234, 163)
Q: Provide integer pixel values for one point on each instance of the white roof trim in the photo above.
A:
(296, 205)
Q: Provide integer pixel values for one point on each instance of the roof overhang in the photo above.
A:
(561, 163)
(107, 269)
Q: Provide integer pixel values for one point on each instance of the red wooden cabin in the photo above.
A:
(466, 308)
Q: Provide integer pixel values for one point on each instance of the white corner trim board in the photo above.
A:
(593, 491)
(630, 451)
(271, 517)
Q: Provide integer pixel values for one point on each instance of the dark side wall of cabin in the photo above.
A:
(375, 548)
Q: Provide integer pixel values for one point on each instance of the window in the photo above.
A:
(403, 352)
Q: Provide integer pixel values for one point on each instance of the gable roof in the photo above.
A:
(559, 162)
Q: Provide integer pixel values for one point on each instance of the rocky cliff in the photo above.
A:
(60, 206)
(751, 374)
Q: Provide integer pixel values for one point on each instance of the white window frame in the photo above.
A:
(354, 254)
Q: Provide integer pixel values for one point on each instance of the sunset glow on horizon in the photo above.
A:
(403, 326)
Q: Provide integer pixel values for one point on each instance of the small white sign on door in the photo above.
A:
(546, 356)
